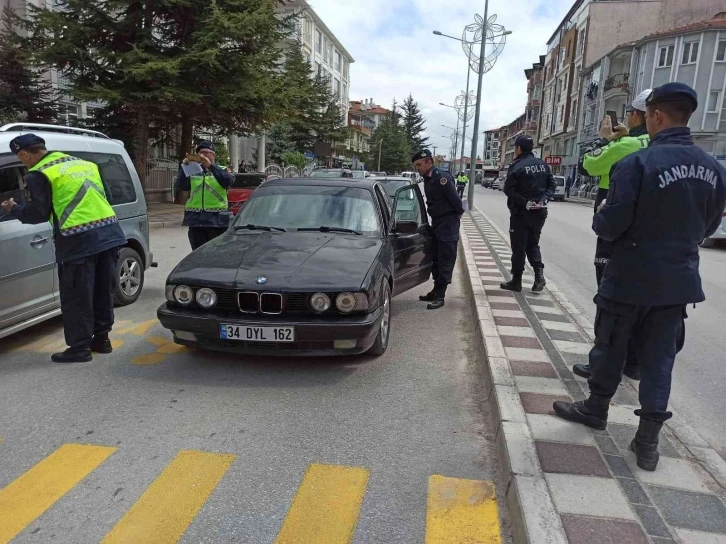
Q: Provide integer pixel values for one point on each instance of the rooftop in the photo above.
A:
(717, 23)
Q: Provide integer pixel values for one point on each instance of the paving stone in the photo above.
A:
(676, 473)
(526, 368)
(689, 510)
(623, 414)
(580, 348)
(526, 354)
(552, 317)
(504, 305)
(589, 496)
(575, 359)
(571, 459)
(517, 331)
(634, 491)
(565, 335)
(660, 540)
(490, 276)
(651, 520)
(587, 530)
(618, 466)
(559, 325)
(535, 403)
(606, 445)
(511, 321)
(499, 293)
(544, 386)
(520, 342)
(622, 435)
(555, 429)
(698, 537)
(540, 302)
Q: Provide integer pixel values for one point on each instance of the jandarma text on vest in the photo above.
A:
(686, 172)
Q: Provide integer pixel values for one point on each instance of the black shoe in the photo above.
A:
(428, 297)
(436, 304)
(645, 444)
(101, 344)
(515, 284)
(539, 281)
(632, 372)
(582, 370)
(578, 412)
(72, 355)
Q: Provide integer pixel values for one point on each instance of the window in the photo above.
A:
(665, 56)
(330, 52)
(307, 58)
(408, 207)
(308, 34)
(115, 176)
(345, 69)
(336, 87)
(10, 181)
(721, 51)
(325, 50)
(713, 100)
(581, 42)
(337, 61)
(318, 41)
(345, 93)
(538, 91)
(318, 69)
(69, 115)
(690, 53)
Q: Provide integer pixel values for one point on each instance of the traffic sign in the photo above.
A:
(553, 160)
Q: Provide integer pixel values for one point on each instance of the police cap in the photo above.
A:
(24, 141)
(673, 92)
(423, 154)
(525, 143)
(206, 144)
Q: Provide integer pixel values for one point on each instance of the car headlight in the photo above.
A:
(320, 302)
(345, 302)
(206, 298)
(169, 293)
(183, 295)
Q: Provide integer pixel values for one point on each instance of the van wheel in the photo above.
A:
(380, 346)
(129, 277)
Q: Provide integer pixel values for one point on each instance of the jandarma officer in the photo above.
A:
(445, 208)
(69, 192)
(663, 201)
(206, 212)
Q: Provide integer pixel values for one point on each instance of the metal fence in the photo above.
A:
(160, 176)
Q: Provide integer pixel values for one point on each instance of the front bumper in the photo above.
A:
(315, 336)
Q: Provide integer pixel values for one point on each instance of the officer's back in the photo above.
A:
(527, 177)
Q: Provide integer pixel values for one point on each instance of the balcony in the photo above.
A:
(616, 84)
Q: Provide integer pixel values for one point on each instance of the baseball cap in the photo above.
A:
(639, 101)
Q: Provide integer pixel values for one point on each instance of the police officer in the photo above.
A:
(663, 201)
(621, 142)
(445, 208)
(206, 211)
(528, 187)
(69, 192)
(461, 181)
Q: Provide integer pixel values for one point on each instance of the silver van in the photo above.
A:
(559, 188)
(28, 276)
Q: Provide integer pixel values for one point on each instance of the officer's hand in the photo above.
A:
(185, 161)
(205, 161)
(606, 129)
(602, 205)
(7, 205)
(620, 131)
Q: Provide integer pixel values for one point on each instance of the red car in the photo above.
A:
(240, 191)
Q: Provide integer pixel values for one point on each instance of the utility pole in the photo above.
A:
(482, 56)
(466, 106)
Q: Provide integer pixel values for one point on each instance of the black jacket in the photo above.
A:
(663, 201)
(441, 195)
(528, 179)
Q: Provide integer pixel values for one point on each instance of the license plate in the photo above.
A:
(248, 333)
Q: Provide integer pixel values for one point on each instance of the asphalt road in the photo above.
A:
(568, 246)
(143, 414)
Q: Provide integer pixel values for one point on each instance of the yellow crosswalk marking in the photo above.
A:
(326, 507)
(461, 512)
(168, 506)
(23, 500)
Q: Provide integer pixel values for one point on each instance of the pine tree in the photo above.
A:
(390, 139)
(414, 125)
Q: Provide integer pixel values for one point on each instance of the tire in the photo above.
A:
(383, 337)
(708, 242)
(129, 277)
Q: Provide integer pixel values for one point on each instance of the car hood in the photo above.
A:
(289, 260)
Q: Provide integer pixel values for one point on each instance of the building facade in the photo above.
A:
(491, 148)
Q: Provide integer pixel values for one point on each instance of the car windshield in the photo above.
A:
(393, 185)
(295, 207)
(247, 181)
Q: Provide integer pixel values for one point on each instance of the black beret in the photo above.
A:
(673, 92)
(206, 144)
(26, 140)
(423, 154)
(524, 142)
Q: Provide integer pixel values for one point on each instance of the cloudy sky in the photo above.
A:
(396, 53)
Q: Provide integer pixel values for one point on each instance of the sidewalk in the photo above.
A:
(568, 483)
(165, 215)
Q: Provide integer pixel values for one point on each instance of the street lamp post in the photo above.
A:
(470, 195)
(466, 105)
(456, 142)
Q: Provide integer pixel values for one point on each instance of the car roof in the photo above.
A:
(391, 178)
(360, 183)
(61, 138)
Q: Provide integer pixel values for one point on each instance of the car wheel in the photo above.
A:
(384, 333)
(708, 242)
(129, 277)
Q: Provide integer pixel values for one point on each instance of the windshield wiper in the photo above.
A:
(259, 227)
(323, 228)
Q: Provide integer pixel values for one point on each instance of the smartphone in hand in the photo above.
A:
(613, 118)
(193, 157)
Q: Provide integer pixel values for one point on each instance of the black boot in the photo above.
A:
(428, 297)
(539, 281)
(73, 355)
(645, 444)
(515, 284)
(583, 371)
(592, 412)
(101, 344)
(438, 301)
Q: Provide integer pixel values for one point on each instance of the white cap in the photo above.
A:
(639, 102)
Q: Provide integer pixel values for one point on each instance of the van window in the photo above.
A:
(114, 173)
(10, 182)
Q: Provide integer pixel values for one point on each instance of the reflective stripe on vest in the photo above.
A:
(79, 200)
(206, 194)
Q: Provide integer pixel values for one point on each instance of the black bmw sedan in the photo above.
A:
(308, 267)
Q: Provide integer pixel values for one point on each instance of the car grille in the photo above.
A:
(271, 303)
(251, 302)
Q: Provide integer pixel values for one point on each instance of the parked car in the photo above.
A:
(308, 267)
(559, 188)
(242, 187)
(28, 276)
(413, 176)
(487, 181)
(718, 236)
(497, 184)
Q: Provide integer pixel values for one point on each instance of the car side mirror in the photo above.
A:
(405, 227)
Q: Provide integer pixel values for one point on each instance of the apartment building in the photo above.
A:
(371, 110)
(491, 148)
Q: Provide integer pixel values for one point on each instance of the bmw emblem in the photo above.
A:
(261, 280)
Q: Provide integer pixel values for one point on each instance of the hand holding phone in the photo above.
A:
(193, 157)
(613, 118)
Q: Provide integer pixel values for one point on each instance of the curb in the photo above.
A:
(528, 498)
(157, 224)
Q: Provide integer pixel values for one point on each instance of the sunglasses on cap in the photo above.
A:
(629, 110)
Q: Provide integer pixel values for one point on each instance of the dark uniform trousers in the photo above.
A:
(525, 229)
(446, 244)
(460, 190)
(198, 236)
(86, 296)
(656, 332)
